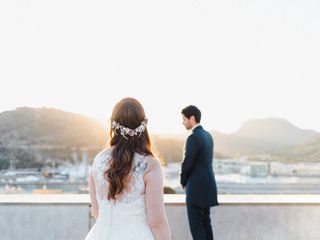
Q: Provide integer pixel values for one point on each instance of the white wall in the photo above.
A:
(248, 217)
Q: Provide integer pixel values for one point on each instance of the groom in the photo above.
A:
(197, 177)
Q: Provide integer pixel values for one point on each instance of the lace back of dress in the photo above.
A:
(136, 185)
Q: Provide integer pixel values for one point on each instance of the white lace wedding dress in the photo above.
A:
(126, 218)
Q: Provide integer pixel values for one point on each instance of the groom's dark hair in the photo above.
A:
(192, 111)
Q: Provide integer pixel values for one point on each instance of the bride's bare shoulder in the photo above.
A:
(153, 164)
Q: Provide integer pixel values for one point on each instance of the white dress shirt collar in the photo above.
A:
(197, 125)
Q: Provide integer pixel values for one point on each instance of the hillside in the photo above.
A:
(309, 151)
(49, 127)
(274, 131)
(33, 137)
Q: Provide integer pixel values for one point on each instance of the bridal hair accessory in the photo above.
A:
(128, 131)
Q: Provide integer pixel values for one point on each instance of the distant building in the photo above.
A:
(259, 169)
(241, 166)
(295, 169)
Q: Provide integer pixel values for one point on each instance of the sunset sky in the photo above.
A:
(235, 60)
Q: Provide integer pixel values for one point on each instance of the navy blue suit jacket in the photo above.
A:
(196, 171)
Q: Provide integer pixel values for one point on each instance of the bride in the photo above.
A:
(126, 182)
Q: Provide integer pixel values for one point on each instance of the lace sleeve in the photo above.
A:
(98, 168)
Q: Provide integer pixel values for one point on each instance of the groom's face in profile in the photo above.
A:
(186, 122)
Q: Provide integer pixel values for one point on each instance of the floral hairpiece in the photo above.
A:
(128, 131)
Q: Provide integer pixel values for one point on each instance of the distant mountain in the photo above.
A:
(273, 136)
(168, 149)
(33, 137)
(274, 131)
(171, 148)
(233, 145)
(49, 127)
(309, 151)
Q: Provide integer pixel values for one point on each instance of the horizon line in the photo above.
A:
(176, 133)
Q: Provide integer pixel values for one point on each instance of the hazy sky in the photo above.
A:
(236, 59)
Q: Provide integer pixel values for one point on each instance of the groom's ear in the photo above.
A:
(193, 119)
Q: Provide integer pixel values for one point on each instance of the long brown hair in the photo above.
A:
(129, 113)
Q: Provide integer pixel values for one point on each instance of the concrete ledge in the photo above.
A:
(241, 217)
(170, 199)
